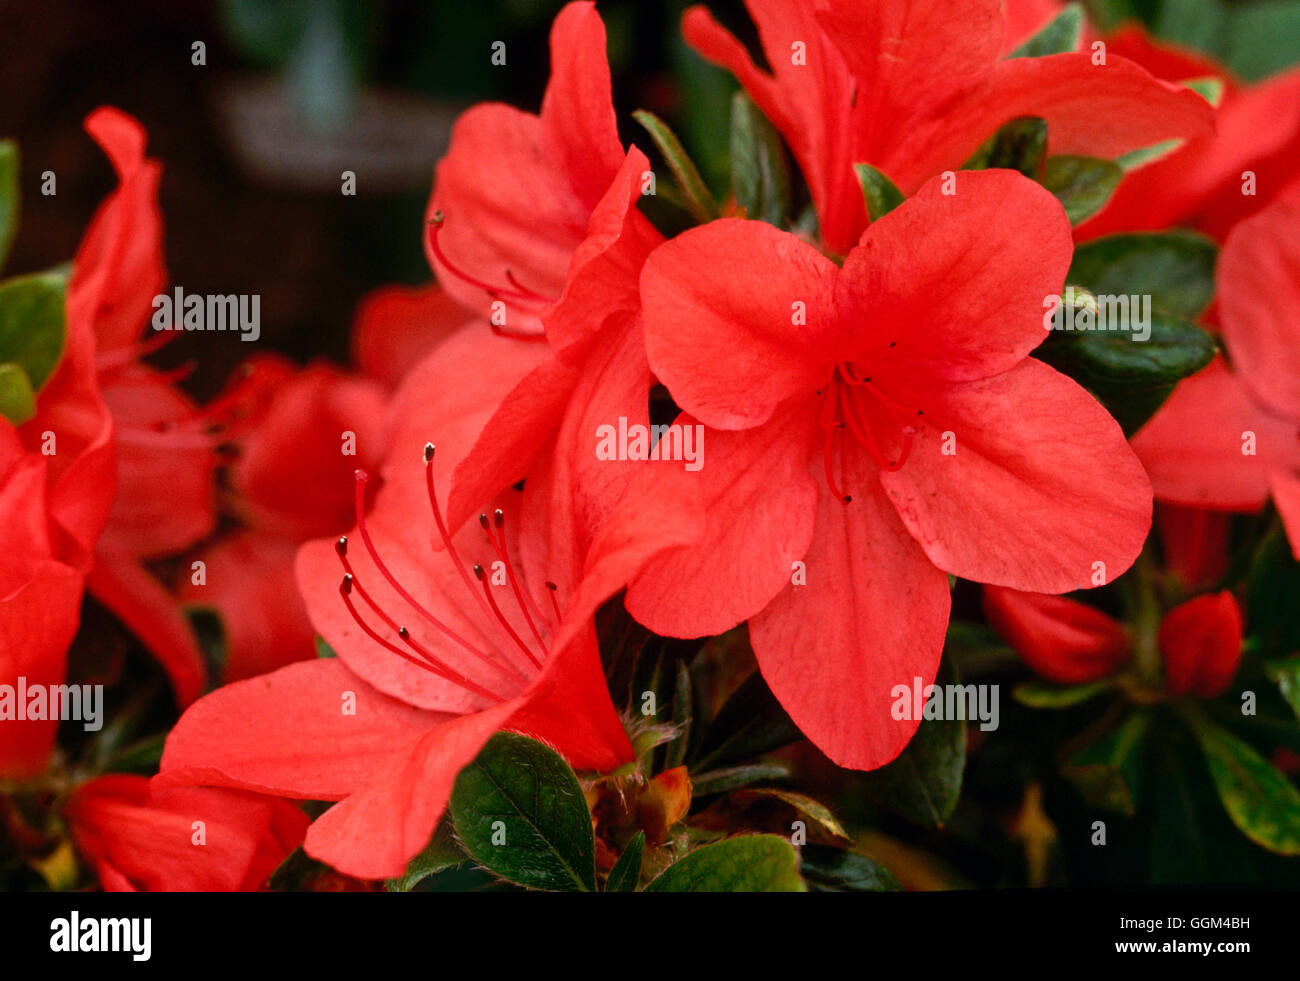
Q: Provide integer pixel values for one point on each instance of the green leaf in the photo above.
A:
(828, 869)
(1261, 802)
(699, 202)
(33, 324)
(1286, 675)
(10, 197)
(760, 178)
(1274, 585)
(807, 806)
(1142, 156)
(750, 723)
(924, 782)
(735, 777)
(519, 789)
(1045, 695)
(749, 863)
(1060, 35)
(323, 649)
(1019, 145)
(1108, 771)
(627, 870)
(1082, 184)
(440, 854)
(17, 400)
(1131, 377)
(880, 193)
(1176, 269)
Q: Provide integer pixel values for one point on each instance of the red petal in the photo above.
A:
(144, 839)
(1060, 639)
(739, 566)
(871, 617)
(265, 624)
(1201, 645)
(286, 733)
(384, 824)
(1195, 543)
(150, 612)
(120, 263)
(37, 623)
(1193, 447)
(395, 326)
(953, 286)
(1040, 488)
(721, 322)
(1259, 296)
(578, 122)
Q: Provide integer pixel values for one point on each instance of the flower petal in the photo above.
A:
(1060, 639)
(1041, 486)
(738, 318)
(871, 617)
(1201, 645)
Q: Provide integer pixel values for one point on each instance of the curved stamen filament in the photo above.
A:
(487, 591)
(526, 603)
(345, 590)
(551, 590)
(503, 668)
(448, 544)
(829, 424)
(519, 293)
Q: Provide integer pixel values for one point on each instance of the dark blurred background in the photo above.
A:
(293, 93)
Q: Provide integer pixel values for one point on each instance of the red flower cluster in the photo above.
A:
(871, 422)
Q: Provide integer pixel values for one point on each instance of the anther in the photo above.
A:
(429, 450)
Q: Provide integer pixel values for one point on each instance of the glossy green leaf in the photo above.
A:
(10, 197)
(1108, 771)
(880, 193)
(520, 812)
(1176, 269)
(828, 869)
(33, 324)
(626, 872)
(1131, 377)
(1083, 185)
(749, 863)
(1060, 35)
(1262, 803)
(1020, 144)
(760, 178)
(699, 201)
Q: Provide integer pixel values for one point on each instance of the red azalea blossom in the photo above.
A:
(180, 839)
(432, 660)
(901, 381)
(913, 87)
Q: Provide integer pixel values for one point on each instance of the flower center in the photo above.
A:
(490, 674)
(855, 406)
(531, 301)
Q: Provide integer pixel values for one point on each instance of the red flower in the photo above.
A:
(533, 224)
(114, 469)
(396, 326)
(1228, 438)
(913, 87)
(180, 839)
(1063, 640)
(1071, 643)
(901, 381)
(430, 663)
(1201, 645)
